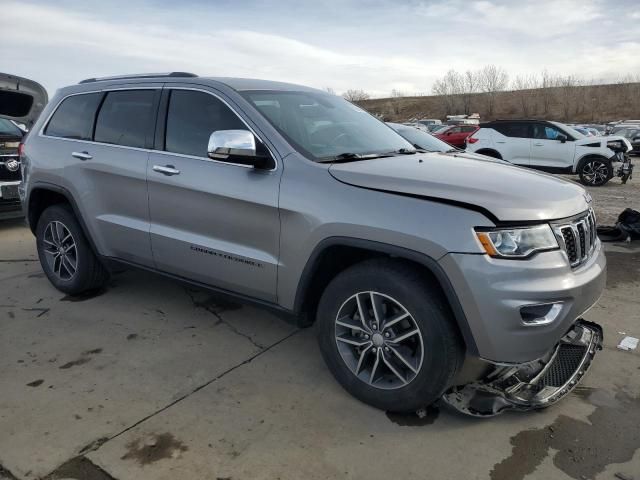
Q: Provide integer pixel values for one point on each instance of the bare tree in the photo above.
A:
(492, 80)
(468, 87)
(397, 93)
(447, 88)
(523, 88)
(547, 92)
(329, 90)
(567, 93)
(354, 95)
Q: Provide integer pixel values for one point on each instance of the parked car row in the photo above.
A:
(555, 147)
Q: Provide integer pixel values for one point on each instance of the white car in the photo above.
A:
(554, 147)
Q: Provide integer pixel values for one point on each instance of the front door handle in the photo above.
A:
(81, 155)
(539, 144)
(167, 169)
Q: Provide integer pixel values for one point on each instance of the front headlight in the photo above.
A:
(518, 242)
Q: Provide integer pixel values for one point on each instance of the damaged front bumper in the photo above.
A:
(531, 385)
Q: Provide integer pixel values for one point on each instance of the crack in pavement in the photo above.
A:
(96, 444)
(17, 260)
(214, 309)
(12, 277)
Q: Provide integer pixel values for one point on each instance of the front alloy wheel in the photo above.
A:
(595, 172)
(379, 340)
(387, 335)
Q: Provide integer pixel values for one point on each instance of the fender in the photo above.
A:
(426, 261)
(39, 185)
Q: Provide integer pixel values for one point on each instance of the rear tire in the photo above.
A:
(64, 252)
(595, 171)
(413, 369)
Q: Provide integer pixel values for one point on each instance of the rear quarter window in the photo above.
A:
(74, 117)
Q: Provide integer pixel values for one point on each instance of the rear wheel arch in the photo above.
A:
(42, 196)
(335, 254)
(489, 152)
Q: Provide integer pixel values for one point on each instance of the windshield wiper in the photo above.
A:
(350, 156)
(404, 151)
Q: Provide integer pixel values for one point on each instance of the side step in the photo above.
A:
(532, 385)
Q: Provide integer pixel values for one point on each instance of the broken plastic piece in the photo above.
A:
(531, 385)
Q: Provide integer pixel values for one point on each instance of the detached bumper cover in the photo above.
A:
(532, 385)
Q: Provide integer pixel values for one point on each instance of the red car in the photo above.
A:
(457, 134)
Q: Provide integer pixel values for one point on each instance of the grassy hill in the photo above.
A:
(593, 103)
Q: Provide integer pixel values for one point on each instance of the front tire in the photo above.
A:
(64, 252)
(387, 336)
(595, 171)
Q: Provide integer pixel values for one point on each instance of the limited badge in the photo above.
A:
(12, 165)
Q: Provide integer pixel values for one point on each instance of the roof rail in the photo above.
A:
(140, 75)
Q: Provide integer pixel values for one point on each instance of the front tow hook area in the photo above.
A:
(531, 385)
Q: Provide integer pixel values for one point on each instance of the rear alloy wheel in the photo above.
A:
(65, 255)
(60, 250)
(387, 336)
(595, 172)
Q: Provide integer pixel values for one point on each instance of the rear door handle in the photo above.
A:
(539, 144)
(167, 169)
(81, 155)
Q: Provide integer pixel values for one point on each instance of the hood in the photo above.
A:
(21, 100)
(602, 141)
(508, 193)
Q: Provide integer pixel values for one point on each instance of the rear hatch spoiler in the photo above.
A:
(21, 100)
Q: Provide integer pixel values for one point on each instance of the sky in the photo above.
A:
(373, 45)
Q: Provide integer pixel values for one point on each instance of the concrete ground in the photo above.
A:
(155, 380)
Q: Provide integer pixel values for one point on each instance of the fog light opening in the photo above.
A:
(540, 314)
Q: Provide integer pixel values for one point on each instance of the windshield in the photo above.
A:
(323, 126)
(630, 132)
(571, 131)
(421, 139)
(8, 128)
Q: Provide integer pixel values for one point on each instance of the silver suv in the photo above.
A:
(428, 275)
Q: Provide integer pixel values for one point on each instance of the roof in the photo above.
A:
(239, 84)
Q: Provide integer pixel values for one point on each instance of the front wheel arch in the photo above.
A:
(312, 281)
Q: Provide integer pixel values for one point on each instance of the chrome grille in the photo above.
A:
(6, 174)
(577, 237)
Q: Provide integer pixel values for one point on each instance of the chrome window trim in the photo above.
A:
(151, 150)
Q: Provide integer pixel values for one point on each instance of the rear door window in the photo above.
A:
(127, 118)
(74, 117)
(191, 119)
(515, 129)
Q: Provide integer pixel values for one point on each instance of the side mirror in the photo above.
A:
(237, 146)
(562, 138)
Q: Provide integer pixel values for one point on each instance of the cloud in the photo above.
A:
(376, 45)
